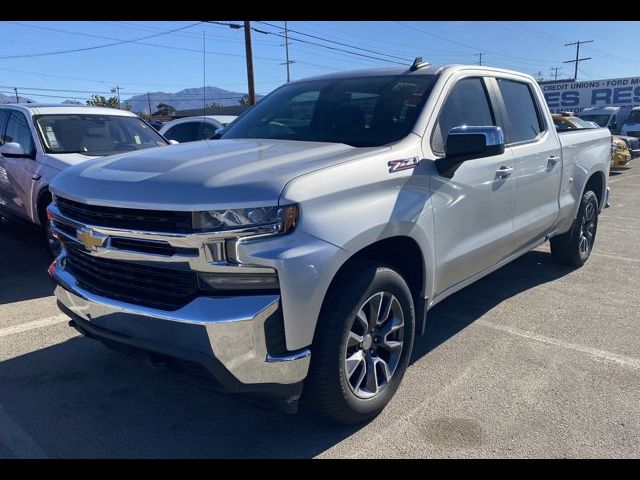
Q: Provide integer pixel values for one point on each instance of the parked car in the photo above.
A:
(620, 153)
(567, 121)
(631, 125)
(608, 117)
(300, 253)
(633, 144)
(157, 124)
(38, 141)
(191, 129)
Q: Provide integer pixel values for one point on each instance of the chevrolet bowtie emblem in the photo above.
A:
(90, 239)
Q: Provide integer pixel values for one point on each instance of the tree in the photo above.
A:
(164, 110)
(101, 101)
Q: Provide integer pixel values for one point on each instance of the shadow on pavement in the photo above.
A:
(23, 263)
(464, 307)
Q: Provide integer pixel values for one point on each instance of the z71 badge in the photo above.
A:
(404, 164)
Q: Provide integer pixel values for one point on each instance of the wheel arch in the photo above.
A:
(44, 198)
(403, 254)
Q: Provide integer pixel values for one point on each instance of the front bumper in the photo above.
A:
(224, 336)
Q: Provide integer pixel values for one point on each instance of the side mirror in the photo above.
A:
(218, 134)
(14, 150)
(174, 142)
(466, 143)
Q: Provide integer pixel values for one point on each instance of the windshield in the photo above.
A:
(601, 119)
(97, 135)
(634, 117)
(358, 111)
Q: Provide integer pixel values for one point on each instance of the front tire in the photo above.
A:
(573, 248)
(362, 345)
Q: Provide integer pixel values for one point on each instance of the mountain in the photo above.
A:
(12, 99)
(186, 99)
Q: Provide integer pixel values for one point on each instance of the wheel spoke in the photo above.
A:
(375, 303)
(351, 365)
(387, 303)
(381, 364)
(371, 383)
(362, 318)
(391, 344)
(354, 339)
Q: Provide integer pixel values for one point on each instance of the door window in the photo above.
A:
(467, 104)
(206, 130)
(523, 116)
(183, 132)
(18, 131)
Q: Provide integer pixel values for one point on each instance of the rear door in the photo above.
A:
(473, 209)
(538, 165)
(16, 174)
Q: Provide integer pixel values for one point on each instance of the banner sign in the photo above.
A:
(576, 96)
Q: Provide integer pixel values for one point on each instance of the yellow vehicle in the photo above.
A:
(620, 154)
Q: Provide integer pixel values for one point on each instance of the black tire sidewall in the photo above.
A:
(589, 197)
(349, 295)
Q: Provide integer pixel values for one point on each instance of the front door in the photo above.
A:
(473, 209)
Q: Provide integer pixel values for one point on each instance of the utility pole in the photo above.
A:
(17, 98)
(249, 55)
(149, 100)
(114, 90)
(286, 49)
(555, 72)
(479, 61)
(578, 59)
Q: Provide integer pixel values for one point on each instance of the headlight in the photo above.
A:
(268, 220)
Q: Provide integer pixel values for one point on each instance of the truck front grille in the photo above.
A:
(154, 287)
(126, 218)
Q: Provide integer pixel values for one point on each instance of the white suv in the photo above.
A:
(37, 141)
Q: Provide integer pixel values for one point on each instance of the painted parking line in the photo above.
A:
(622, 360)
(25, 327)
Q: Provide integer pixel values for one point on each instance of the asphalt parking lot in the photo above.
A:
(535, 360)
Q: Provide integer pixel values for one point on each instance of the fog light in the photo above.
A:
(238, 281)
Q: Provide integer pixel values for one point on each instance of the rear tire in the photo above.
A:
(362, 344)
(573, 247)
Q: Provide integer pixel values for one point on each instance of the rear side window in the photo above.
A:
(467, 104)
(523, 116)
(183, 132)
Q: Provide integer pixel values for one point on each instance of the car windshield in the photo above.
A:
(601, 120)
(97, 135)
(358, 111)
(634, 117)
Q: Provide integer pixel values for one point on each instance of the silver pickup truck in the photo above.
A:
(297, 257)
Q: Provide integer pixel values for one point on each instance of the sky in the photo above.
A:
(173, 58)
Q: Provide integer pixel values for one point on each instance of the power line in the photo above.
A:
(455, 42)
(232, 25)
(339, 43)
(170, 47)
(121, 42)
(578, 59)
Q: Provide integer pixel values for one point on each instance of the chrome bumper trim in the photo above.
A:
(234, 327)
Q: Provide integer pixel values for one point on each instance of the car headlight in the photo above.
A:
(259, 220)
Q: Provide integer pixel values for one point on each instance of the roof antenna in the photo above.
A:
(418, 63)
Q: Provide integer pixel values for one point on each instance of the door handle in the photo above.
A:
(36, 176)
(552, 160)
(504, 172)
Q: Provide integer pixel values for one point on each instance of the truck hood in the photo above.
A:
(203, 175)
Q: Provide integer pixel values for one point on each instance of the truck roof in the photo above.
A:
(426, 70)
(59, 108)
